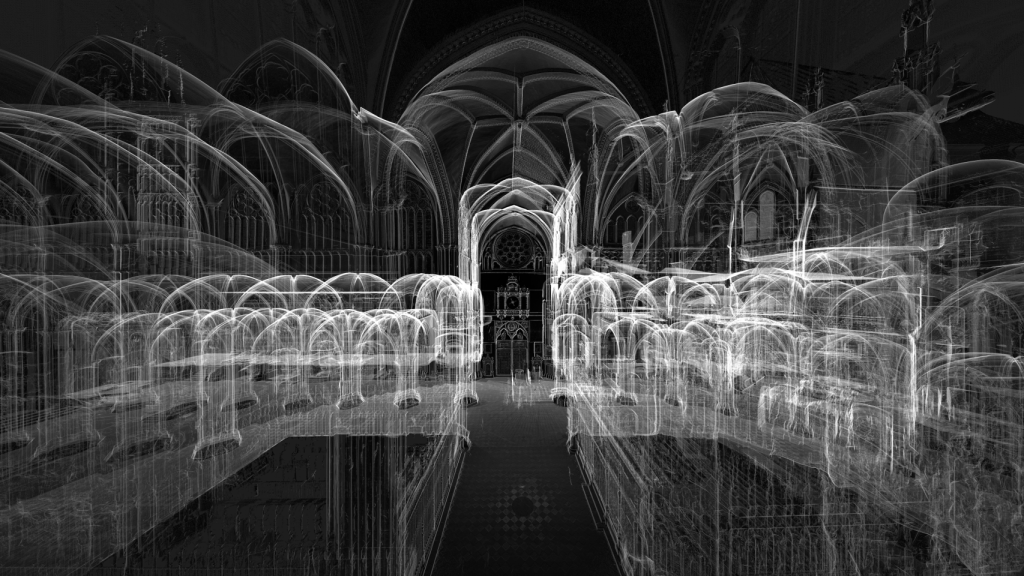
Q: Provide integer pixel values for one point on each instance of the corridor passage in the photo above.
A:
(520, 507)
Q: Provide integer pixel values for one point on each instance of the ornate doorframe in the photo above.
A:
(511, 346)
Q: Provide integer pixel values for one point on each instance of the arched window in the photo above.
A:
(247, 224)
(87, 210)
(750, 227)
(766, 230)
(325, 213)
(17, 206)
(426, 242)
(416, 221)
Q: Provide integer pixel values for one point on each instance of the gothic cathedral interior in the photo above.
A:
(638, 287)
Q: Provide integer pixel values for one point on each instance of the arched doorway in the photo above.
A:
(513, 237)
(513, 272)
(512, 328)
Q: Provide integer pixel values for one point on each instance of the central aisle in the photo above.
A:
(520, 507)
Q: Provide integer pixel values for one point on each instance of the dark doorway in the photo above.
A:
(513, 273)
(511, 347)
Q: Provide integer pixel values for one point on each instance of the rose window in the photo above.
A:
(513, 249)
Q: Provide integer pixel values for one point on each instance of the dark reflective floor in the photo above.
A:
(520, 507)
(267, 517)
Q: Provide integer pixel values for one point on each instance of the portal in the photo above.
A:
(513, 277)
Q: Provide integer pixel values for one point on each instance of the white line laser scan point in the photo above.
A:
(434, 288)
